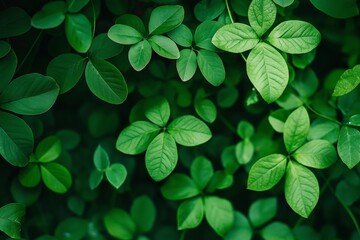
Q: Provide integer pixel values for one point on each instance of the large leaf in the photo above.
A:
(48, 149)
(219, 214)
(348, 81)
(56, 177)
(30, 94)
(337, 9)
(106, 81)
(140, 55)
(124, 34)
(348, 146)
(186, 64)
(10, 219)
(164, 47)
(262, 211)
(266, 172)
(235, 38)
(8, 65)
(78, 32)
(161, 156)
(268, 71)
(51, 15)
(189, 131)
(14, 21)
(296, 129)
(202, 171)
(301, 189)
(165, 18)
(294, 37)
(317, 154)
(119, 224)
(135, 138)
(262, 14)
(179, 186)
(143, 212)
(157, 110)
(190, 213)
(211, 67)
(116, 174)
(16, 139)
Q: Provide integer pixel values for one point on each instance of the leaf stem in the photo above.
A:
(322, 115)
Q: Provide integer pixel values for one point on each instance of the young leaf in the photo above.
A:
(348, 81)
(189, 131)
(296, 129)
(29, 176)
(262, 211)
(164, 47)
(190, 213)
(95, 178)
(101, 159)
(106, 81)
(244, 151)
(261, 14)
(316, 154)
(29, 94)
(124, 34)
(161, 156)
(56, 177)
(201, 171)
(48, 149)
(186, 64)
(135, 138)
(266, 172)
(11, 216)
(219, 214)
(165, 18)
(349, 140)
(157, 110)
(78, 32)
(268, 71)
(211, 67)
(16, 139)
(205, 32)
(143, 212)
(294, 37)
(235, 38)
(182, 35)
(116, 174)
(119, 224)
(51, 15)
(206, 109)
(301, 189)
(140, 55)
(178, 187)
(277, 230)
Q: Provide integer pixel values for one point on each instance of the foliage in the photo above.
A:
(175, 119)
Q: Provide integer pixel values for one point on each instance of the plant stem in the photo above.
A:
(182, 236)
(322, 115)
(28, 53)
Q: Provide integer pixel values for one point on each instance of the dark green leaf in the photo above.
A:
(74, 6)
(95, 179)
(324, 129)
(284, 3)
(124, 34)
(103, 47)
(78, 32)
(116, 174)
(51, 15)
(182, 35)
(143, 212)
(56, 177)
(140, 55)
(262, 211)
(69, 138)
(164, 47)
(190, 213)
(5, 48)
(11, 216)
(178, 187)
(119, 224)
(14, 21)
(72, 229)
(206, 110)
(204, 34)
(201, 171)
(277, 231)
(336, 9)
(101, 159)
(132, 21)
(348, 150)
(245, 129)
(208, 9)
(165, 18)
(211, 67)
(7, 69)
(227, 96)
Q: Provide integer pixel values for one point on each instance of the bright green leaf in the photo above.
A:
(29, 176)
(119, 224)
(165, 18)
(132, 21)
(324, 129)
(348, 146)
(56, 177)
(206, 109)
(157, 110)
(348, 81)
(277, 119)
(179, 186)
(164, 47)
(124, 34)
(95, 179)
(186, 64)
(140, 55)
(116, 174)
(244, 151)
(241, 229)
(211, 67)
(284, 3)
(51, 15)
(48, 149)
(261, 14)
(11, 216)
(190, 213)
(78, 32)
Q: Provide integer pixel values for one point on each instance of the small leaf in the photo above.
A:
(268, 71)
(143, 212)
(186, 64)
(95, 179)
(235, 38)
(78, 32)
(29, 176)
(165, 18)
(189, 131)
(294, 36)
(211, 67)
(202, 171)
(262, 211)
(219, 214)
(48, 149)
(51, 15)
(349, 152)
(348, 81)
(206, 109)
(244, 151)
(135, 138)
(262, 14)
(245, 129)
(140, 55)
(316, 154)
(178, 187)
(116, 174)
(157, 110)
(11, 216)
(119, 224)
(164, 47)
(161, 156)
(14, 21)
(101, 159)
(277, 230)
(190, 213)
(124, 34)
(301, 189)
(181, 35)
(266, 172)
(296, 129)
(56, 177)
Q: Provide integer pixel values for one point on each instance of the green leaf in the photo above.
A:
(336, 9)
(227, 96)
(245, 129)
(8, 65)
(102, 47)
(165, 18)
(67, 70)
(178, 187)
(116, 174)
(208, 9)
(72, 228)
(136, 138)
(161, 156)
(268, 71)
(189, 131)
(119, 224)
(132, 21)
(106, 81)
(266, 172)
(283, 3)
(211, 67)
(354, 120)
(204, 34)
(220, 180)
(29, 176)
(190, 213)
(348, 81)
(95, 178)
(74, 6)
(48, 149)
(140, 55)
(261, 14)
(17, 140)
(56, 177)
(186, 64)
(235, 38)
(181, 35)
(29, 94)
(277, 119)
(316, 154)
(348, 146)
(241, 229)
(5, 48)
(101, 159)
(324, 129)
(201, 171)
(143, 212)
(78, 32)
(277, 231)
(124, 34)
(296, 129)
(11, 216)
(244, 151)
(301, 189)
(219, 214)
(14, 21)
(157, 110)
(294, 36)
(51, 15)
(262, 211)
(206, 109)
(164, 47)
